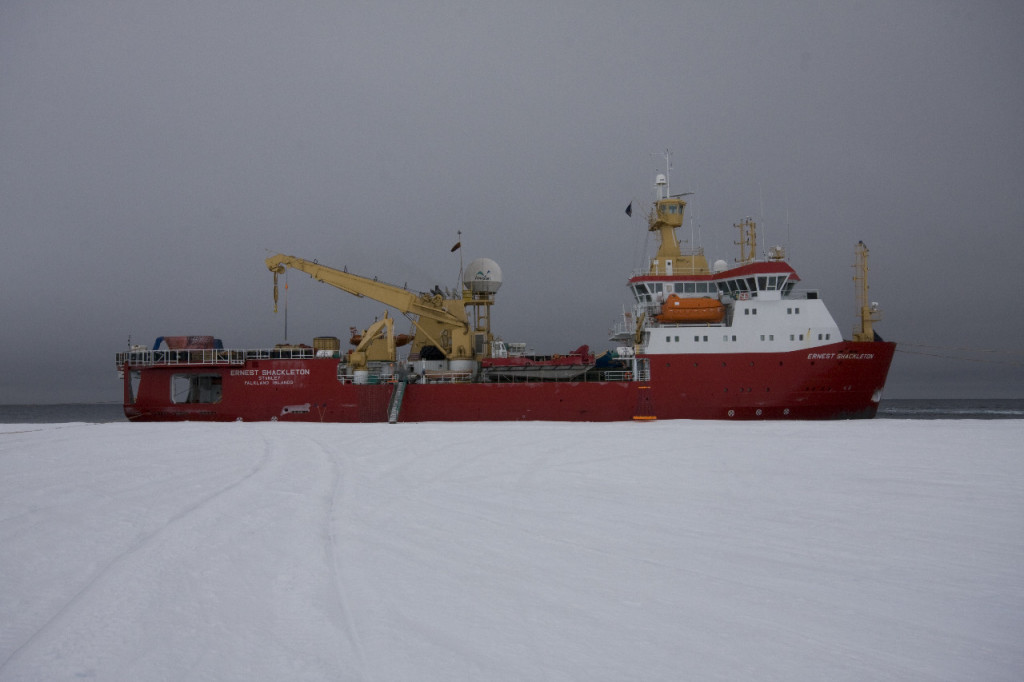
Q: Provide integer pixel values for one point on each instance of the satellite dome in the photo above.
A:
(720, 266)
(482, 276)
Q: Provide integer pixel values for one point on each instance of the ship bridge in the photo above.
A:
(754, 280)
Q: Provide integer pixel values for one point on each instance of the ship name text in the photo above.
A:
(840, 356)
(268, 372)
(269, 377)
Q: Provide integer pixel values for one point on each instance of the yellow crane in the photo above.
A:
(868, 310)
(441, 323)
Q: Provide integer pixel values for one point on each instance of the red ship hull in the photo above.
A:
(838, 381)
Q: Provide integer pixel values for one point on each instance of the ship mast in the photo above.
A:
(747, 242)
(665, 218)
(869, 311)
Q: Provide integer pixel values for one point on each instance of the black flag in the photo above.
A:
(458, 245)
(629, 209)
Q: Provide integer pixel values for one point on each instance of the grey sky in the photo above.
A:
(151, 153)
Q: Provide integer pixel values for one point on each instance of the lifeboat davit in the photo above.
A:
(357, 337)
(677, 309)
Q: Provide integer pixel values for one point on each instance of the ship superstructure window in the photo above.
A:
(641, 293)
(759, 283)
(195, 388)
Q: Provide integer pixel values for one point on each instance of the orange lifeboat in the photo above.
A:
(676, 309)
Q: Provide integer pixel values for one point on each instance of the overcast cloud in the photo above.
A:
(151, 153)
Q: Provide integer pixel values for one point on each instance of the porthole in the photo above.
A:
(732, 413)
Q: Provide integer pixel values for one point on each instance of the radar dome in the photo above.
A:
(720, 266)
(482, 276)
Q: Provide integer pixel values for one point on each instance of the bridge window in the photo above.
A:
(641, 293)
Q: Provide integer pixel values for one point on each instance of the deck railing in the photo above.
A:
(209, 356)
(214, 357)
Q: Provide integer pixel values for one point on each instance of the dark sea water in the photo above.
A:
(96, 413)
(101, 413)
(950, 408)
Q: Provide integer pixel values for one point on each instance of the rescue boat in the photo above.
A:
(677, 309)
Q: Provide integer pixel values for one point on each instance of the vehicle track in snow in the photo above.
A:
(334, 513)
(105, 571)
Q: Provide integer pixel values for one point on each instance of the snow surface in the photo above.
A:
(878, 550)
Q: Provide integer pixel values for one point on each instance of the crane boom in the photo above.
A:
(442, 322)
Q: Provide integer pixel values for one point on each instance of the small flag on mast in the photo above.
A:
(629, 209)
(458, 245)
